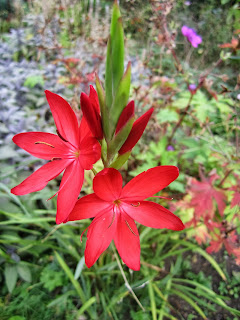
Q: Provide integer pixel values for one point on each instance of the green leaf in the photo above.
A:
(177, 186)
(166, 115)
(210, 259)
(79, 268)
(24, 272)
(11, 275)
(86, 305)
(33, 80)
(70, 276)
(52, 278)
(152, 300)
(190, 301)
(121, 98)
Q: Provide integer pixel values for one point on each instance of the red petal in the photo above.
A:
(84, 130)
(30, 141)
(136, 132)
(152, 215)
(90, 152)
(39, 179)
(70, 186)
(88, 207)
(99, 236)
(147, 183)
(64, 117)
(127, 241)
(92, 116)
(93, 97)
(127, 113)
(107, 184)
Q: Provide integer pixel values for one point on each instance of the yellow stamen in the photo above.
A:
(47, 144)
(77, 153)
(112, 219)
(130, 228)
(135, 205)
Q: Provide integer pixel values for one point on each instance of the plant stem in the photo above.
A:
(94, 171)
(181, 119)
(225, 177)
(125, 279)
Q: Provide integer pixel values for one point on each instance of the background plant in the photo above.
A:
(41, 262)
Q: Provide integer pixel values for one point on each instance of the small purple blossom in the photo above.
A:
(170, 148)
(192, 88)
(191, 36)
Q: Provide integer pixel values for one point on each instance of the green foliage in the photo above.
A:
(10, 274)
(51, 277)
(43, 275)
(34, 80)
(231, 287)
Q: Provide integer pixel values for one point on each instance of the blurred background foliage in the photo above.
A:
(59, 45)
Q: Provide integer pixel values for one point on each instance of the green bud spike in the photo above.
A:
(115, 56)
(121, 98)
(104, 112)
(109, 76)
(119, 139)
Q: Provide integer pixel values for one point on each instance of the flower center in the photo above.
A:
(76, 153)
(117, 202)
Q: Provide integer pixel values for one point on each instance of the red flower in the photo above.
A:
(115, 209)
(74, 149)
(91, 111)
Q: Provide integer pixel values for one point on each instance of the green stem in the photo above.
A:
(94, 171)
(181, 119)
(125, 279)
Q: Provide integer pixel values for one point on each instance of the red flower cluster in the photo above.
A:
(91, 111)
(76, 148)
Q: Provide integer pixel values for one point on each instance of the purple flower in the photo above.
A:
(192, 36)
(170, 148)
(192, 88)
